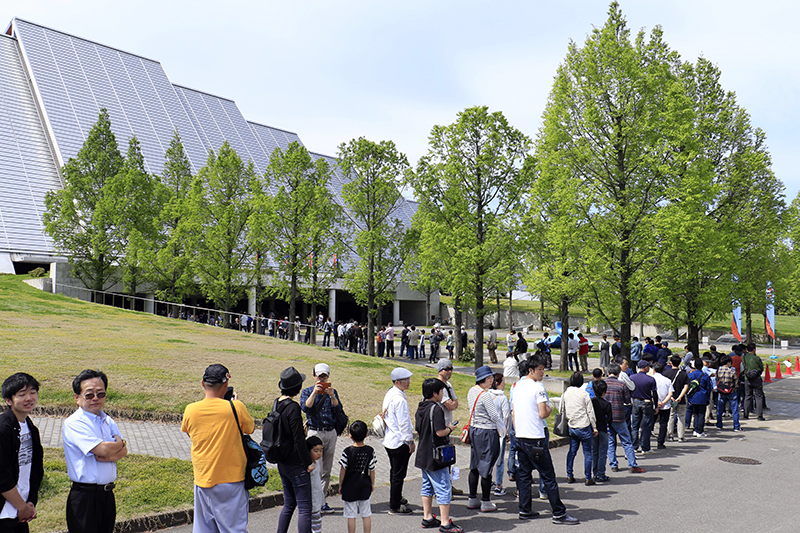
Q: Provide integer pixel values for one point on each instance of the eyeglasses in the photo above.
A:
(91, 395)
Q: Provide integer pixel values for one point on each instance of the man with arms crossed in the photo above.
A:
(530, 407)
(218, 459)
(21, 454)
(92, 446)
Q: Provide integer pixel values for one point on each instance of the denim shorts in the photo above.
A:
(437, 482)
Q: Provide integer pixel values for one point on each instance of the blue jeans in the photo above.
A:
(642, 421)
(296, 494)
(544, 464)
(733, 398)
(600, 452)
(512, 453)
(412, 352)
(699, 413)
(621, 429)
(576, 438)
(498, 471)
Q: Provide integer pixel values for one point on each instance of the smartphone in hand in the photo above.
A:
(229, 393)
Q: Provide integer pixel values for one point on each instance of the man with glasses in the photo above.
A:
(92, 446)
(399, 438)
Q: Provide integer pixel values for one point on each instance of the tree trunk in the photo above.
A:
(748, 324)
(427, 307)
(510, 301)
(480, 311)
(563, 364)
(370, 325)
(457, 326)
(292, 303)
(693, 337)
(541, 311)
(497, 316)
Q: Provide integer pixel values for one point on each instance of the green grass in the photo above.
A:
(145, 485)
(154, 364)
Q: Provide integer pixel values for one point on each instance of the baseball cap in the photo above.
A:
(322, 368)
(215, 374)
(444, 364)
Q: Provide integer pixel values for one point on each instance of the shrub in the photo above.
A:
(38, 272)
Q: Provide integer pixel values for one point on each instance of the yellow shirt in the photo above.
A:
(217, 452)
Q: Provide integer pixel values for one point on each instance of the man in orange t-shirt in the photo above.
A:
(218, 459)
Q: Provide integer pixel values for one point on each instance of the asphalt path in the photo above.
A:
(686, 487)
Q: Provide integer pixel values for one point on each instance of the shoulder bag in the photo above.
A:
(444, 455)
(379, 424)
(255, 470)
(465, 431)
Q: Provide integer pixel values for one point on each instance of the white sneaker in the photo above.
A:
(499, 491)
(543, 495)
(488, 507)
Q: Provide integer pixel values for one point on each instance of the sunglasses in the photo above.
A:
(91, 395)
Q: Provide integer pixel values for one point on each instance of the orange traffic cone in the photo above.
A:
(778, 371)
(797, 364)
(789, 367)
(767, 379)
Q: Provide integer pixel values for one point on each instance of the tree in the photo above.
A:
(131, 202)
(293, 216)
(725, 204)
(553, 244)
(167, 256)
(424, 268)
(373, 200)
(72, 219)
(609, 129)
(216, 228)
(470, 181)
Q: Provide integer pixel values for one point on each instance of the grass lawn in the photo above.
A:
(145, 485)
(155, 364)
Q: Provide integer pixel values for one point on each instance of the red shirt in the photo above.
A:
(583, 346)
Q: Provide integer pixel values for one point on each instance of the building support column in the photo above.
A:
(332, 304)
(396, 311)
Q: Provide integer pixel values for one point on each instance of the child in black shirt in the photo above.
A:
(357, 478)
(602, 412)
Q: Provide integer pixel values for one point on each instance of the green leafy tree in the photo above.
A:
(72, 219)
(130, 200)
(471, 182)
(220, 205)
(167, 257)
(424, 268)
(609, 129)
(724, 210)
(373, 200)
(293, 217)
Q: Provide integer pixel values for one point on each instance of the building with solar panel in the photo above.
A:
(52, 88)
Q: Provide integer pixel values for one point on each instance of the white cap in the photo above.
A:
(401, 373)
(322, 368)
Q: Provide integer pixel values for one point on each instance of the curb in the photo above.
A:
(186, 516)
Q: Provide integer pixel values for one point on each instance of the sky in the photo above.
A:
(332, 71)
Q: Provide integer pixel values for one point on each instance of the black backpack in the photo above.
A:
(273, 437)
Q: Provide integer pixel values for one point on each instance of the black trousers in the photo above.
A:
(663, 422)
(91, 510)
(10, 525)
(398, 462)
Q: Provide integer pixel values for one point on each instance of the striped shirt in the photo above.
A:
(485, 415)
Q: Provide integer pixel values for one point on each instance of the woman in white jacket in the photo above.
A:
(577, 407)
(503, 426)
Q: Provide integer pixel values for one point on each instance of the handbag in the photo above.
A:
(340, 419)
(491, 345)
(465, 431)
(255, 469)
(560, 426)
(379, 425)
(444, 455)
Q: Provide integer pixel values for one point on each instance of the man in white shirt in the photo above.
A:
(399, 438)
(92, 446)
(530, 407)
(665, 391)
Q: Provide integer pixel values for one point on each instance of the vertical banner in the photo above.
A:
(736, 325)
(770, 310)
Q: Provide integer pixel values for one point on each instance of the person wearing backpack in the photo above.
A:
(699, 395)
(294, 460)
(218, 459)
(753, 384)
